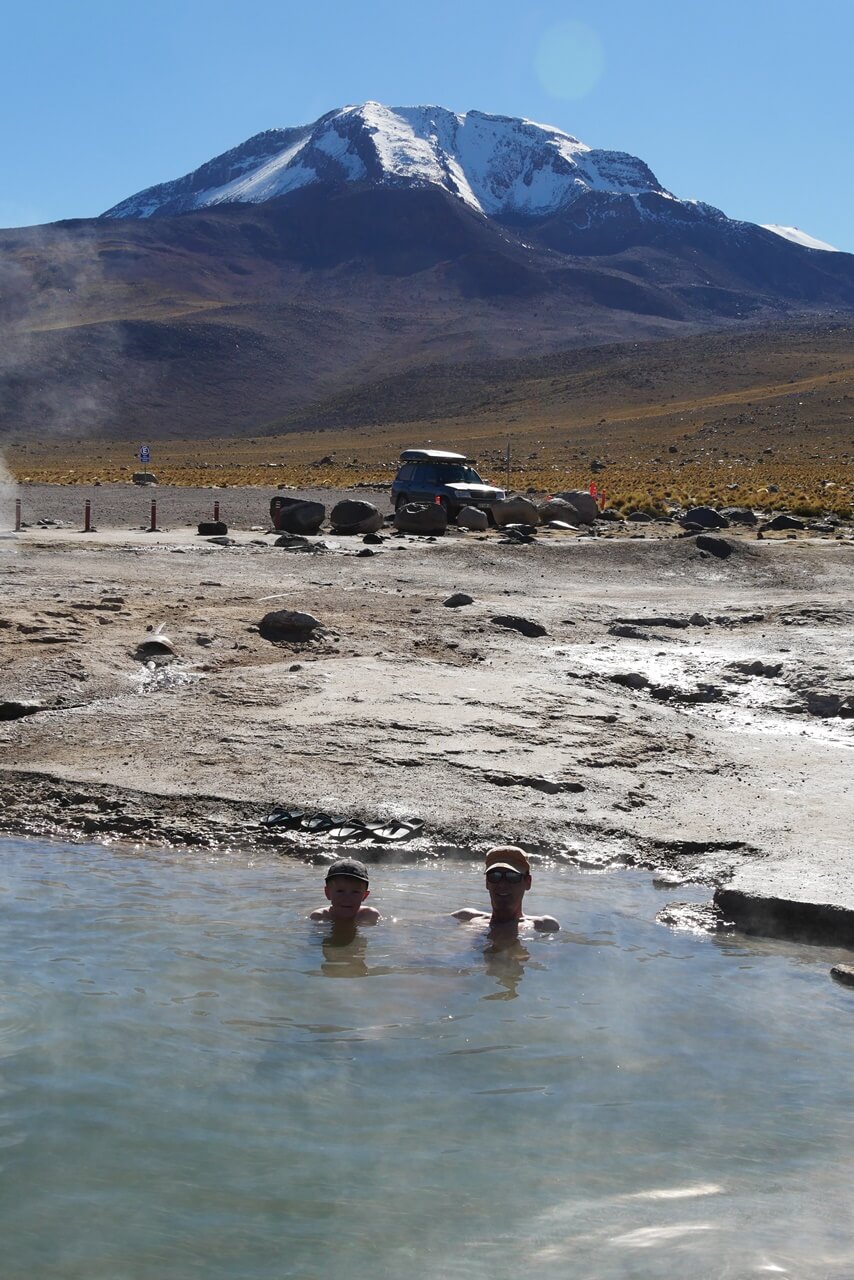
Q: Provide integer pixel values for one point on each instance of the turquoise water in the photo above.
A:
(196, 1082)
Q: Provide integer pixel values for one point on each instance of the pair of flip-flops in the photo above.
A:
(298, 819)
(343, 829)
(381, 832)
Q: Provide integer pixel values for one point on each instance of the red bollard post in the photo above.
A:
(153, 528)
(216, 511)
(87, 517)
(17, 515)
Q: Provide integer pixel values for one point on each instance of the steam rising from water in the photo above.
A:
(8, 494)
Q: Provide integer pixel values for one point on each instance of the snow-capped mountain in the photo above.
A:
(497, 165)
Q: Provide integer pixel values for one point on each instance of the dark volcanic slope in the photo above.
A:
(226, 321)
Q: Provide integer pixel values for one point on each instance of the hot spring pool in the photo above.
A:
(195, 1082)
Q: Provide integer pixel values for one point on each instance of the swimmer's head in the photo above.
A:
(507, 855)
(508, 879)
(348, 867)
(346, 888)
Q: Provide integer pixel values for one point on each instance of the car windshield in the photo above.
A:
(446, 473)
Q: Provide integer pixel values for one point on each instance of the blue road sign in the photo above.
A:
(144, 453)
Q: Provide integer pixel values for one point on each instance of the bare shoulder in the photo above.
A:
(469, 913)
(368, 915)
(322, 913)
(545, 924)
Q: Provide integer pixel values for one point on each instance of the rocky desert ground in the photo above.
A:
(615, 695)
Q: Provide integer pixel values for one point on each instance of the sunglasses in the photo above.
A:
(496, 874)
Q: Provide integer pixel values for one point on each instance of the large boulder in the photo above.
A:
(353, 515)
(705, 518)
(558, 509)
(473, 518)
(584, 503)
(295, 515)
(144, 477)
(421, 517)
(514, 510)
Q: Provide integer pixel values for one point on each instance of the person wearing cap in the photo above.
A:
(508, 879)
(347, 886)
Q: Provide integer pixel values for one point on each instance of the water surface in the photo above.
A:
(195, 1081)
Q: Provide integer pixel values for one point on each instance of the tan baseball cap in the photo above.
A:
(507, 855)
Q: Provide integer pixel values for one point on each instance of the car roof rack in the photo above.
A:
(432, 455)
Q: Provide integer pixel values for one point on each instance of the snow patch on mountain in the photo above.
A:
(799, 237)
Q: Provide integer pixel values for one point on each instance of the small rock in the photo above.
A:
(740, 515)
(630, 679)
(823, 704)
(223, 542)
(366, 551)
(212, 528)
(457, 600)
(698, 620)
(373, 539)
(640, 517)
(843, 973)
(783, 522)
(522, 625)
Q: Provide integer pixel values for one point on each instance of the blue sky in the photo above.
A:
(748, 105)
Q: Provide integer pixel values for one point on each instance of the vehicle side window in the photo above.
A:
(404, 475)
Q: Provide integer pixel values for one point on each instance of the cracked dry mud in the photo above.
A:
(666, 746)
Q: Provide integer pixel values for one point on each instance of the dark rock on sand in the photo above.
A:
(11, 710)
(714, 546)
(458, 600)
(473, 518)
(295, 515)
(657, 620)
(287, 624)
(354, 515)
(427, 519)
(630, 679)
(523, 625)
(823, 704)
(843, 973)
(559, 509)
(757, 667)
(212, 528)
(584, 503)
(514, 510)
(783, 522)
(740, 515)
(706, 518)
